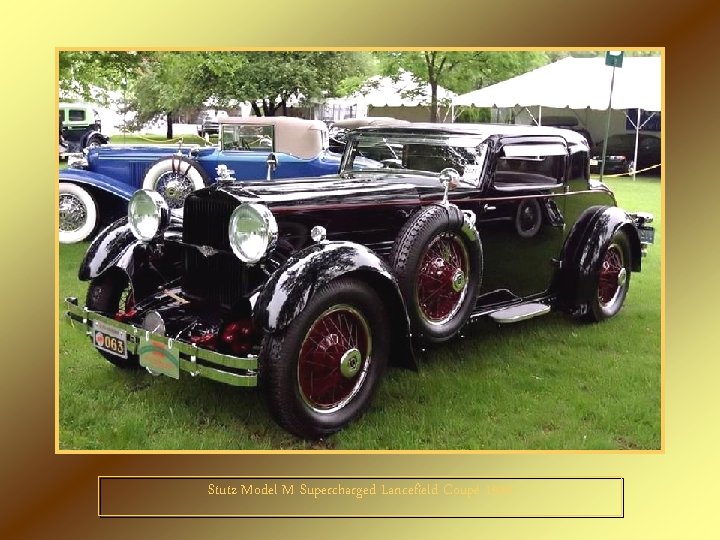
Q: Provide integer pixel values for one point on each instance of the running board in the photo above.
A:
(519, 312)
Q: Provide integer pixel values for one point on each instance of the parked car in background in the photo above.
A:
(621, 154)
(80, 127)
(309, 288)
(209, 122)
(95, 189)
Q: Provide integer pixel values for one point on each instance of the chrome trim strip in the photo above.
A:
(75, 313)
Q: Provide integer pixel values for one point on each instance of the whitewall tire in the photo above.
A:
(78, 214)
(175, 178)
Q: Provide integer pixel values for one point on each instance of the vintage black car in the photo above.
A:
(310, 287)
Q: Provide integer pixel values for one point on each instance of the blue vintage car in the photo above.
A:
(95, 189)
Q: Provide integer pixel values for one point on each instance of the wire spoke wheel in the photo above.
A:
(612, 277)
(174, 187)
(73, 212)
(334, 359)
(442, 280)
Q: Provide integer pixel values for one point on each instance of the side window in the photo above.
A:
(76, 115)
(536, 164)
(579, 166)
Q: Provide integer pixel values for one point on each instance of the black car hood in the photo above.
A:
(330, 190)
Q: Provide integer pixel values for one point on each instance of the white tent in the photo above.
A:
(577, 83)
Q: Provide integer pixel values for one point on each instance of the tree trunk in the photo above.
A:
(169, 120)
(256, 109)
(433, 101)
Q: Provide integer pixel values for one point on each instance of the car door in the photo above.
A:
(521, 221)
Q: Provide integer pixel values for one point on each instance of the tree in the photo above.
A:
(164, 87)
(459, 71)
(267, 80)
(92, 75)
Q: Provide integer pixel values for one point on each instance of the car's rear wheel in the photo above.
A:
(612, 279)
(175, 177)
(78, 213)
(321, 373)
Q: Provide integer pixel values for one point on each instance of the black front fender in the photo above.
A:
(116, 248)
(112, 247)
(289, 289)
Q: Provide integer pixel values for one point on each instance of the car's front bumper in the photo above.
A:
(196, 361)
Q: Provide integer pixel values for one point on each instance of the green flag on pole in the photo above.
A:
(614, 58)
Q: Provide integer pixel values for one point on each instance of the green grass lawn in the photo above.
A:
(548, 383)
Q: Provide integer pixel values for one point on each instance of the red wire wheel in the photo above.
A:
(334, 359)
(612, 276)
(442, 279)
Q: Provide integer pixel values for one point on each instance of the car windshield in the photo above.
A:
(247, 137)
(428, 153)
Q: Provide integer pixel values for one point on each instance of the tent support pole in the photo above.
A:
(637, 139)
(607, 126)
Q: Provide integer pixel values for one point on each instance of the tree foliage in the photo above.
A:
(164, 84)
(459, 71)
(268, 80)
(92, 75)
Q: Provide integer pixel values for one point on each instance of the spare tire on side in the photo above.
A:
(437, 258)
(175, 177)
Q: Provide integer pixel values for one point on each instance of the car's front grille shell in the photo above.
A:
(218, 278)
(206, 219)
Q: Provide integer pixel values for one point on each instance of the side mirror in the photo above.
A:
(272, 164)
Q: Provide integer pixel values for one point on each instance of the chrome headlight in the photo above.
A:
(252, 231)
(148, 214)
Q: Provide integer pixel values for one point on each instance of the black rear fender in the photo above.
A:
(583, 249)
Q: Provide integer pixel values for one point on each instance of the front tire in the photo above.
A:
(175, 177)
(112, 295)
(321, 373)
(612, 279)
(78, 213)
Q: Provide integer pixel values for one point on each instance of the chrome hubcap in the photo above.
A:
(174, 188)
(73, 213)
(350, 363)
(458, 280)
